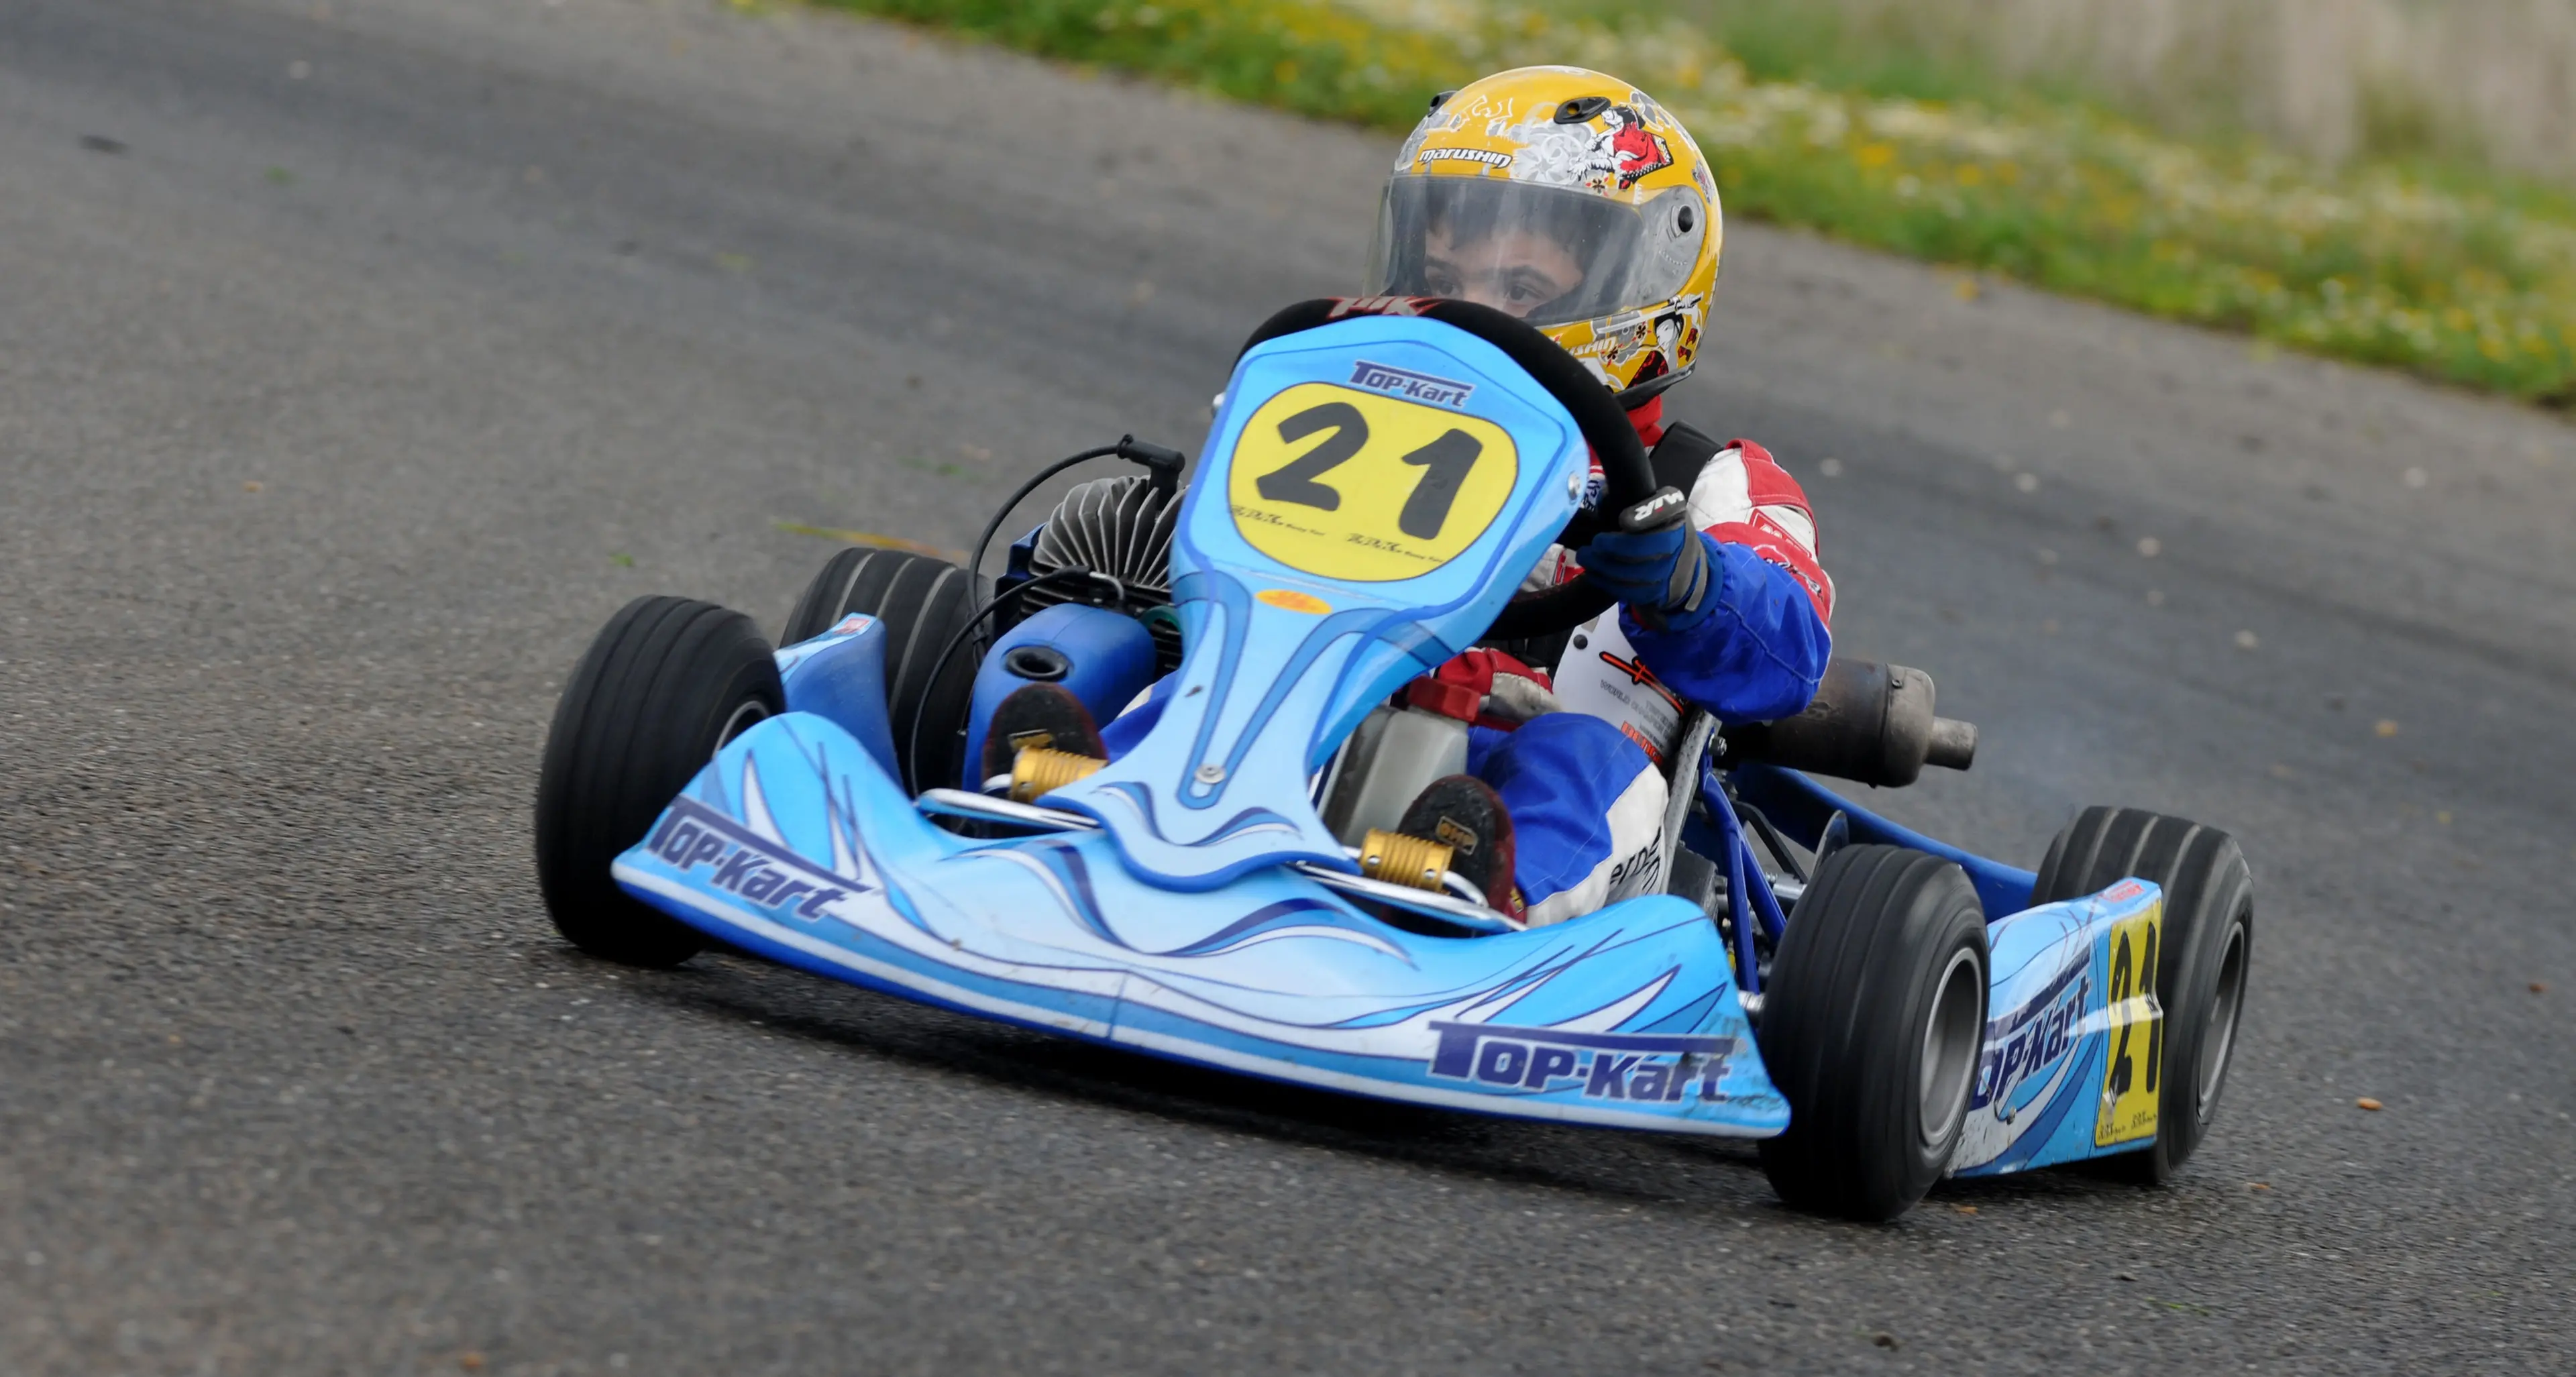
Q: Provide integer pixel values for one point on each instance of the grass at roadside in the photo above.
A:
(2455, 277)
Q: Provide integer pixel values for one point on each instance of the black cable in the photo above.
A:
(975, 566)
(912, 742)
(1165, 465)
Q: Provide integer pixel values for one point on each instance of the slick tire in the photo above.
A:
(923, 602)
(1872, 1025)
(667, 682)
(2206, 948)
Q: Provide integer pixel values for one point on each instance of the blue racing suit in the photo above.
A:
(1586, 797)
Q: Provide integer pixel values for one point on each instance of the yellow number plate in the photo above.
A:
(2134, 1073)
(1346, 484)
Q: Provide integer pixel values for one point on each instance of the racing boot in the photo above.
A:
(1464, 813)
(1043, 717)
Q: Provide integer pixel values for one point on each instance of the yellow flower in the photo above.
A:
(1875, 155)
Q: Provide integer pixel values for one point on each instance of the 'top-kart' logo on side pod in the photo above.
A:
(692, 835)
(2023, 1049)
(1608, 1066)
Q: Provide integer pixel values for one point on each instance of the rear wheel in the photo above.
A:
(667, 682)
(1872, 1023)
(923, 603)
(2202, 957)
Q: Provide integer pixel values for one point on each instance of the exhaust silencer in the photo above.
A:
(1869, 722)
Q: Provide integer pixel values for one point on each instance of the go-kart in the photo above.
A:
(1879, 1008)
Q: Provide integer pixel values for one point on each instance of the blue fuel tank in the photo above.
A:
(1106, 658)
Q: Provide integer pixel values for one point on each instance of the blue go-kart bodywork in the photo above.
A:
(1188, 901)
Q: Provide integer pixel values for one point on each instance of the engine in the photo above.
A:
(1123, 528)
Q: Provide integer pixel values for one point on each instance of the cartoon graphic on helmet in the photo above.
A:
(1635, 149)
(1567, 198)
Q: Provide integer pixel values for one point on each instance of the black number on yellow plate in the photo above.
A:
(1295, 483)
(1347, 484)
(1445, 462)
(2135, 1069)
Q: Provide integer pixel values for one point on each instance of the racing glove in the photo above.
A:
(1655, 564)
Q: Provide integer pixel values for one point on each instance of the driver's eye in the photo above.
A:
(1441, 282)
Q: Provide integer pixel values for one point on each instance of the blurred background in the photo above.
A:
(2387, 181)
(2491, 83)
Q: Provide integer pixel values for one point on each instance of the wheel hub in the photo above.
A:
(1950, 1036)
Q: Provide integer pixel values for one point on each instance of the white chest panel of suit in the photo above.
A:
(1600, 676)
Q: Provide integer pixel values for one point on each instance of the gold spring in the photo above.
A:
(1399, 859)
(1039, 770)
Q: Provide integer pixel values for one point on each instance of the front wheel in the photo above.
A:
(1872, 1024)
(925, 603)
(2201, 962)
(666, 683)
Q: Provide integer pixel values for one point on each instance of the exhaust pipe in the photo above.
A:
(1869, 722)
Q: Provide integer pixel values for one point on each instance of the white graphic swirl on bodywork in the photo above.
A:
(997, 940)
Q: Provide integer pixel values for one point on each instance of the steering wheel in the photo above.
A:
(1627, 478)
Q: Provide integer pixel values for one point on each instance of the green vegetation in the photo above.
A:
(2477, 82)
(2450, 272)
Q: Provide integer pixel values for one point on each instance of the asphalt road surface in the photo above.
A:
(358, 359)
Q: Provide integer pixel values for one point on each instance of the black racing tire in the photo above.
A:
(923, 602)
(1872, 1024)
(666, 682)
(2204, 956)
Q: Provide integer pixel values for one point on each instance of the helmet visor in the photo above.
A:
(1546, 254)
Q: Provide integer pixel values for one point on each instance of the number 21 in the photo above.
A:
(1445, 463)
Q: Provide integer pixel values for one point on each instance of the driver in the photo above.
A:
(1573, 201)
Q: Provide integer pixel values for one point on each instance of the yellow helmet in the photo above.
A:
(1570, 199)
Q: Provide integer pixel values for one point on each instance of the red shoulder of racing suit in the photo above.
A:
(1743, 497)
